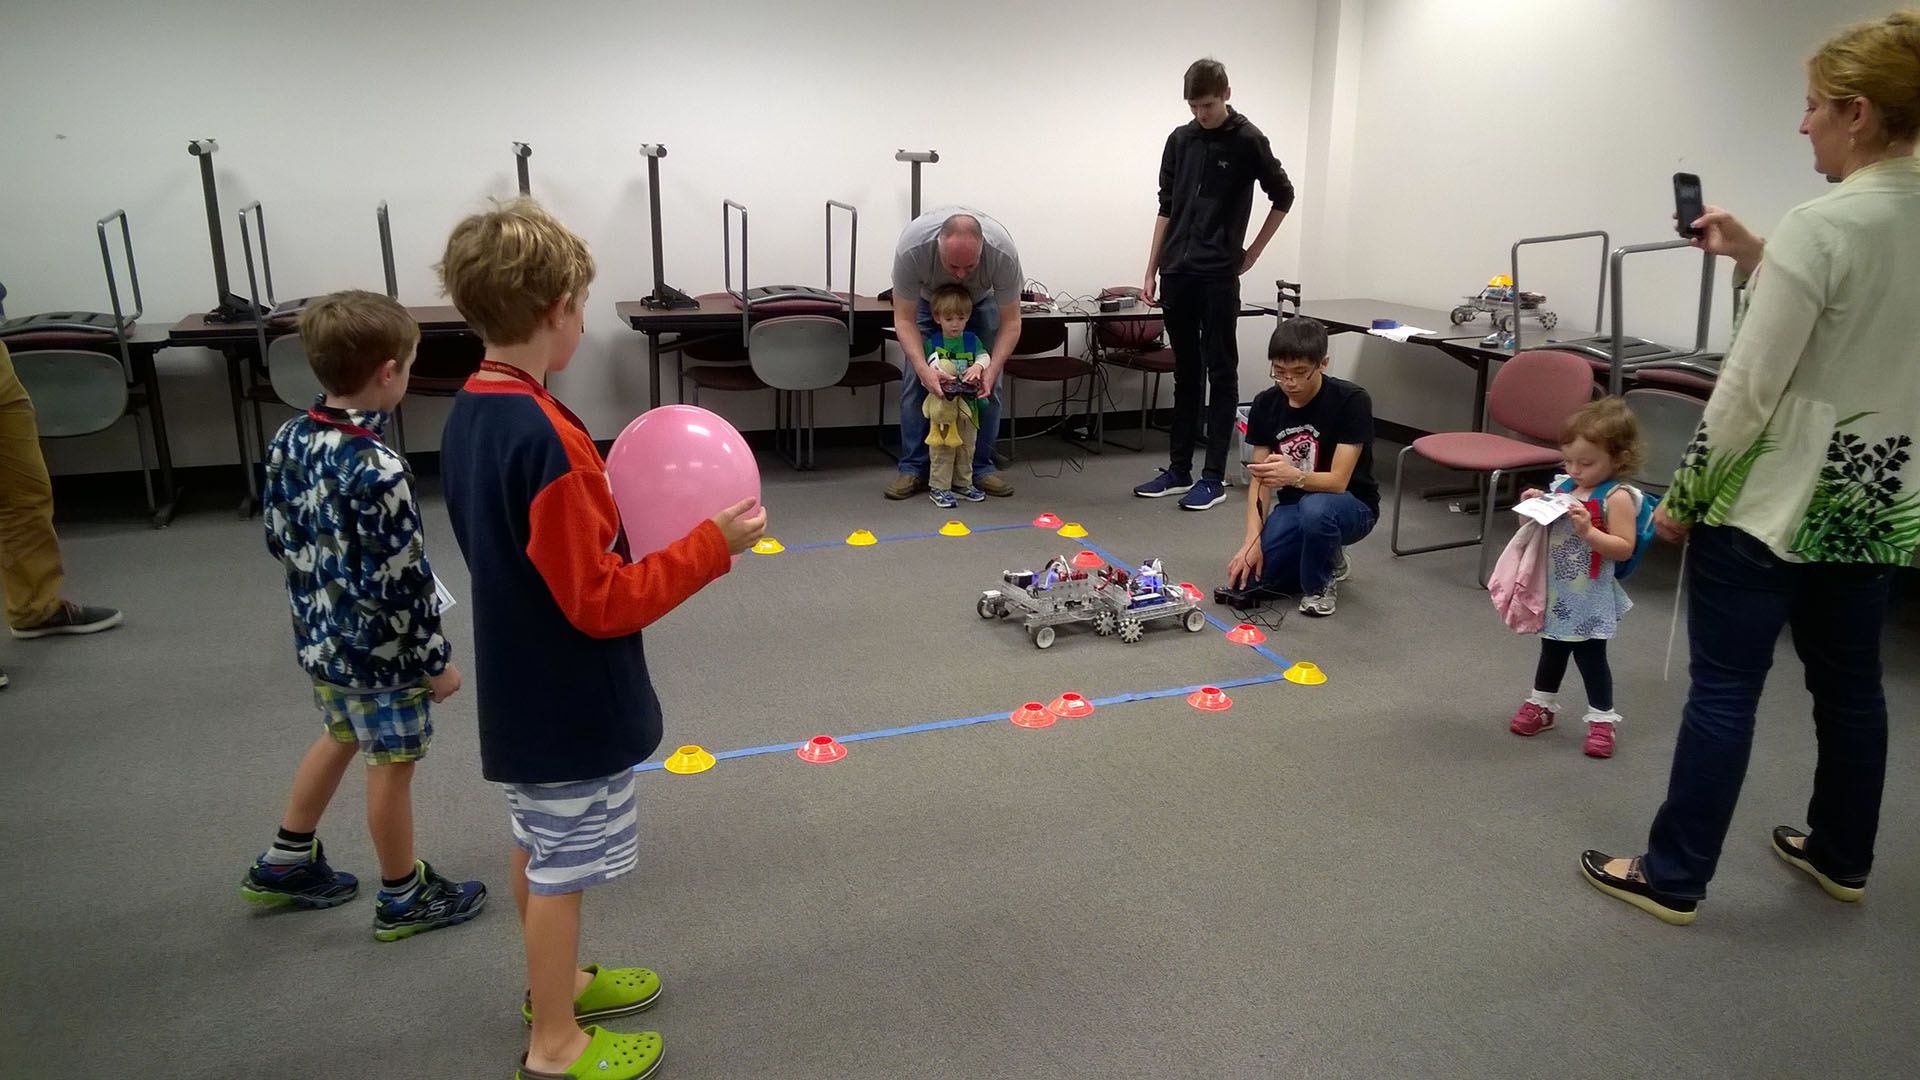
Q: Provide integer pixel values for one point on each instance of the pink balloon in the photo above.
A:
(674, 467)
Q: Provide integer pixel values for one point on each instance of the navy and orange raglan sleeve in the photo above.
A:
(573, 526)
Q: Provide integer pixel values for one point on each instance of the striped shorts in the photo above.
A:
(576, 834)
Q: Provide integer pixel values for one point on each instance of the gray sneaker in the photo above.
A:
(1320, 603)
(70, 618)
(3, 678)
(1342, 568)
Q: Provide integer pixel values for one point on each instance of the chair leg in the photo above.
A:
(813, 429)
(1146, 406)
(399, 429)
(146, 468)
(1095, 412)
(779, 425)
(805, 402)
(1143, 420)
(1147, 401)
(1399, 495)
(1486, 526)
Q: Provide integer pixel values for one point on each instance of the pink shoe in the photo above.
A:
(1599, 739)
(1532, 719)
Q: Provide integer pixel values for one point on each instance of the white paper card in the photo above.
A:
(1545, 509)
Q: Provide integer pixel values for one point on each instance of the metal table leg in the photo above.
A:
(249, 505)
(168, 502)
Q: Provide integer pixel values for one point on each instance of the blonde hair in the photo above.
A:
(505, 268)
(349, 335)
(951, 299)
(1878, 60)
(1611, 426)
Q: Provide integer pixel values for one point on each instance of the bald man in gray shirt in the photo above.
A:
(953, 245)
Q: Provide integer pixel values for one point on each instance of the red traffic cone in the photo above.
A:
(821, 750)
(1210, 699)
(1071, 706)
(1032, 715)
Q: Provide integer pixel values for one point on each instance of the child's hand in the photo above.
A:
(1531, 493)
(444, 685)
(1582, 520)
(742, 524)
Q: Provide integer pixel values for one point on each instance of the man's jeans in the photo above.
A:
(1301, 541)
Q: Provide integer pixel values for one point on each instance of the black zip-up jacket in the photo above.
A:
(1206, 194)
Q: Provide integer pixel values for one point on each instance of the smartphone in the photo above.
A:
(1687, 204)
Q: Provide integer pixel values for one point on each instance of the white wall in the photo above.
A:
(1484, 121)
(1051, 117)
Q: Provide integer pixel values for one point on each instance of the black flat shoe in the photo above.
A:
(1633, 888)
(1848, 890)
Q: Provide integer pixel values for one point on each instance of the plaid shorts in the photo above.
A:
(390, 726)
(575, 834)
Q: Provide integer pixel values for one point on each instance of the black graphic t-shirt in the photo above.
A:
(1341, 413)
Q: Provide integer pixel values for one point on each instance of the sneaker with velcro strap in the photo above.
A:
(438, 903)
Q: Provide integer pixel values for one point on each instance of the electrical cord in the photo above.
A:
(1266, 614)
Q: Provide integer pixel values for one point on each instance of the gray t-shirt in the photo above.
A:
(916, 261)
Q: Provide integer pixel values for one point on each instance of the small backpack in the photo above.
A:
(1643, 532)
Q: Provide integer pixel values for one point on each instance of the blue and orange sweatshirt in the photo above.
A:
(558, 606)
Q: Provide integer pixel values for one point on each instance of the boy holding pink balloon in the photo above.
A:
(566, 705)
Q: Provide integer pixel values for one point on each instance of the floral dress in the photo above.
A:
(1580, 606)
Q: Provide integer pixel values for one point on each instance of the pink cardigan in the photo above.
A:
(1519, 581)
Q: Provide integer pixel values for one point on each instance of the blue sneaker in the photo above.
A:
(1167, 483)
(310, 885)
(971, 494)
(943, 498)
(440, 902)
(1204, 495)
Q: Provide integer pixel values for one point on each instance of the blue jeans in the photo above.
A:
(1301, 541)
(1739, 596)
(985, 323)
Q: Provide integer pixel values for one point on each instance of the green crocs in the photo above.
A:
(609, 1056)
(613, 992)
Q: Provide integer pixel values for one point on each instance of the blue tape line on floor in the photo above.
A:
(966, 721)
(818, 544)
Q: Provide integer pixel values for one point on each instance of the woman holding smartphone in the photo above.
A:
(1800, 490)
